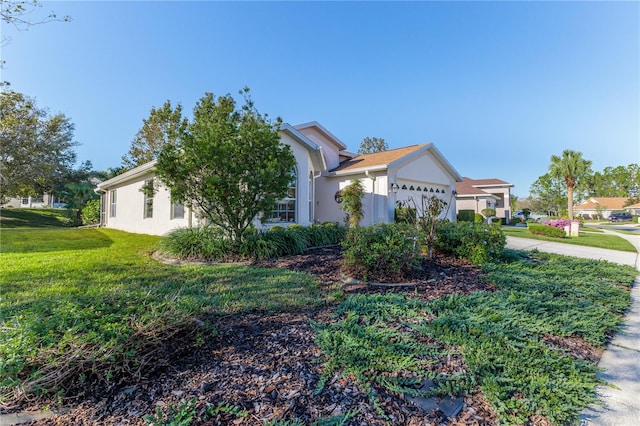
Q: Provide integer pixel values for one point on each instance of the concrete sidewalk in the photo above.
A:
(620, 362)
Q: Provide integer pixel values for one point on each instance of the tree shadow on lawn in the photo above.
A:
(22, 241)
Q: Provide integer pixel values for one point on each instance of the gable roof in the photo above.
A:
(129, 174)
(469, 187)
(608, 203)
(322, 130)
(314, 150)
(393, 157)
(487, 182)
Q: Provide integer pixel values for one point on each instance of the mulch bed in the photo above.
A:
(267, 364)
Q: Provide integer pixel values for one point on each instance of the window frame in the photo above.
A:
(286, 215)
(113, 202)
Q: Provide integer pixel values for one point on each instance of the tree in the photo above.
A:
(164, 126)
(549, 195)
(37, 148)
(19, 13)
(371, 145)
(230, 164)
(572, 168)
(352, 197)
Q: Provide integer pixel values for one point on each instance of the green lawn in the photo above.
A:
(589, 238)
(80, 302)
(35, 218)
(97, 296)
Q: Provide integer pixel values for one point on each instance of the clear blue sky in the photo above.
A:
(498, 87)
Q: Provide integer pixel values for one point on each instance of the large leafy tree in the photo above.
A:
(230, 165)
(549, 195)
(165, 125)
(616, 181)
(371, 145)
(37, 147)
(572, 168)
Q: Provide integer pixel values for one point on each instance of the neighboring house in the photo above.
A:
(31, 201)
(599, 207)
(634, 209)
(480, 194)
(323, 168)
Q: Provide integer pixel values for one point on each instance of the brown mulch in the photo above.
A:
(267, 364)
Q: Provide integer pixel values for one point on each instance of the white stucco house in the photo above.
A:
(323, 168)
(480, 194)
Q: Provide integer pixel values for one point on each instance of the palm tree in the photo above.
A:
(572, 168)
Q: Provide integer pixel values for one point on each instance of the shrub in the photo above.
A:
(352, 197)
(384, 252)
(558, 223)
(479, 243)
(91, 213)
(405, 215)
(546, 230)
(205, 243)
(208, 244)
(466, 215)
(478, 218)
(488, 212)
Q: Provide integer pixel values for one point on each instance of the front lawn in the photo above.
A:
(92, 302)
(93, 306)
(35, 218)
(587, 238)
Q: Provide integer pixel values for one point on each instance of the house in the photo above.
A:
(31, 202)
(480, 194)
(323, 168)
(599, 207)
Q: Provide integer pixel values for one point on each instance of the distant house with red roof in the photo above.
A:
(602, 207)
(480, 194)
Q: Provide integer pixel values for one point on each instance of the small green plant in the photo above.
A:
(479, 243)
(466, 215)
(91, 213)
(183, 415)
(381, 252)
(352, 197)
(226, 408)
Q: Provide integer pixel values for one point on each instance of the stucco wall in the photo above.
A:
(329, 149)
(130, 202)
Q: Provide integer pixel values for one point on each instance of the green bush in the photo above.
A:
(466, 215)
(91, 213)
(208, 244)
(478, 218)
(384, 252)
(479, 243)
(546, 230)
(405, 215)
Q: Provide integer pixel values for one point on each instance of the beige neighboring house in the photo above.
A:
(323, 168)
(480, 194)
(31, 202)
(600, 207)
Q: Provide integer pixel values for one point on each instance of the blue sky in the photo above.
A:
(498, 87)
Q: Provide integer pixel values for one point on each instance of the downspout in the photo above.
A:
(313, 200)
(373, 195)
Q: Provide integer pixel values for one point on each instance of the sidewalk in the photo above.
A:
(620, 362)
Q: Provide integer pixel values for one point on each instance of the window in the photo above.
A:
(177, 210)
(24, 201)
(112, 206)
(285, 209)
(148, 191)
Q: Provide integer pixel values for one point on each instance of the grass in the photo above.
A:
(78, 302)
(91, 304)
(501, 336)
(35, 218)
(589, 238)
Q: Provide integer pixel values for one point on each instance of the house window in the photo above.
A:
(177, 210)
(24, 201)
(37, 199)
(112, 205)
(285, 208)
(147, 190)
